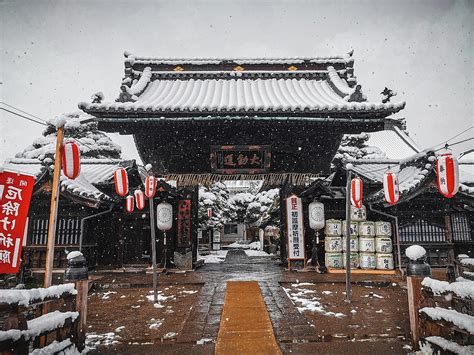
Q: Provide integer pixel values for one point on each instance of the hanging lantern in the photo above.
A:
(447, 171)
(164, 216)
(316, 215)
(71, 160)
(150, 186)
(390, 188)
(129, 204)
(139, 199)
(209, 212)
(356, 192)
(121, 182)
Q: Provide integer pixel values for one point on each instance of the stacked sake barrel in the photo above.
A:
(383, 245)
(333, 244)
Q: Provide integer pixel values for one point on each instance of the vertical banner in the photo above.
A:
(15, 196)
(184, 223)
(294, 223)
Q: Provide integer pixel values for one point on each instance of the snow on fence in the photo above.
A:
(445, 314)
(18, 333)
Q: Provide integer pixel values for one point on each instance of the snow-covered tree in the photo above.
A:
(354, 146)
(92, 142)
(238, 205)
(215, 197)
(260, 207)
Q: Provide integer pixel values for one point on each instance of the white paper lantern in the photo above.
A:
(316, 215)
(164, 216)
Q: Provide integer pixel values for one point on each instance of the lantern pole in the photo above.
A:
(153, 249)
(348, 234)
(48, 272)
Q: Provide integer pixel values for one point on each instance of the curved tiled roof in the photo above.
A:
(322, 86)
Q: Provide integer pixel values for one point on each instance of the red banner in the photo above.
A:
(15, 196)
(184, 223)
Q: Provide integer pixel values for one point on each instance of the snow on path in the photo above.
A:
(311, 305)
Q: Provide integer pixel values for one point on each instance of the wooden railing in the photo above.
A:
(442, 314)
(24, 326)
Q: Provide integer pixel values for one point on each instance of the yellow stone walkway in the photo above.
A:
(245, 326)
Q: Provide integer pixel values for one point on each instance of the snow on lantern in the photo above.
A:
(150, 186)
(316, 215)
(356, 192)
(390, 188)
(121, 182)
(129, 204)
(164, 216)
(447, 171)
(71, 160)
(139, 199)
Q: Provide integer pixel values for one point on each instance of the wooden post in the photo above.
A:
(153, 249)
(415, 298)
(48, 274)
(348, 236)
(53, 214)
(449, 239)
(82, 288)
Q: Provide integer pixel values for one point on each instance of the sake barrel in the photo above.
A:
(354, 228)
(383, 229)
(367, 245)
(354, 260)
(333, 227)
(333, 260)
(333, 244)
(367, 229)
(383, 244)
(354, 244)
(384, 261)
(358, 214)
(367, 261)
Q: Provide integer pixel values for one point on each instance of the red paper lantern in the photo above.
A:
(447, 171)
(356, 192)
(71, 160)
(129, 204)
(150, 186)
(139, 199)
(121, 182)
(209, 212)
(390, 188)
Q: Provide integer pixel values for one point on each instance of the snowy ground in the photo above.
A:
(215, 257)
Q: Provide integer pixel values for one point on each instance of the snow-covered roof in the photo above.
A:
(93, 172)
(313, 86)
(394, 143)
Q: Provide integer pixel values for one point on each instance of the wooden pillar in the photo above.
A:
(82, 288)
(415, 298)
(449, 238)
(194, 221)
(283, 232)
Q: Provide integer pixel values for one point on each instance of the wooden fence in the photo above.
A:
(442, 314)
(24, 326)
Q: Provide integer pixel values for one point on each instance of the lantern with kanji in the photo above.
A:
(129, 204)
(356, 192)
(121, 182)
(150, 186)
(164, 216)
(447, 171)
(71, 160)
(390, 188)
(139, 199)
(316, 215)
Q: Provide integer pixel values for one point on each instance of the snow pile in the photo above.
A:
(47, 322)
(213, 258)
(24, 297)
(251, 252)
(415, 252)
(461, 320)
(451, 346)
(155, 323)
(463, 289)
(12, 334)
(74, 254)
(65, 347)
(160, 298)
(58, 121)
(467, 261)
(94, 339)
(243, 244)
(308, 305)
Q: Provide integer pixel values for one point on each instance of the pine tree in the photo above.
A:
(216, 198)
(92, 142)
(354, 146)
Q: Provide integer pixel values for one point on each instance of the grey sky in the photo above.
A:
(57, 53)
